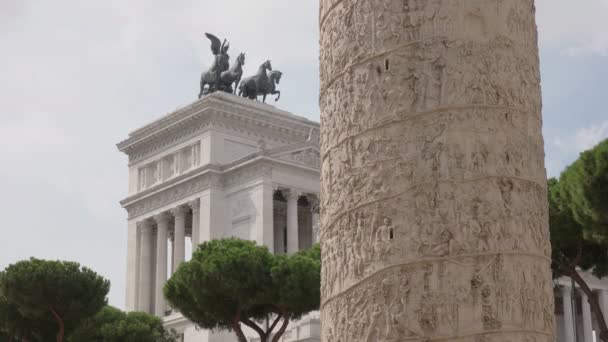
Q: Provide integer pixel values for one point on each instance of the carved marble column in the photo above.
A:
(146, 268)
(292, 221)
(179, 253)
(162, 224)
(196, 221)
(568, 317)
(587, 323)
(434, 222)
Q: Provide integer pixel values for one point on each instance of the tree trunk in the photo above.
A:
(236, 326)
(61, 331)
(251, 324)
(281, 330)
(593, 302)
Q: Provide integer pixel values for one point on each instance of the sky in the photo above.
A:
(77, 76)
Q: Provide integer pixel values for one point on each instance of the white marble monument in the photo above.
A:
(222, 166)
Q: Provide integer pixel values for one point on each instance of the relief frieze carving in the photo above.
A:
(469, 300)
(434, 218)
(172, 194)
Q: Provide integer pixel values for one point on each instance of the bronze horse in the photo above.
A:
(261, 84)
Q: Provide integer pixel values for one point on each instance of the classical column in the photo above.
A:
(566, 292)
(179, 254)
(434, 201)
(162, 224)
(587, 323)
(132, 276)
(603, 299)
(172, 259)
(196, 221)
(146, 268)
(292, 221)
(314, 208)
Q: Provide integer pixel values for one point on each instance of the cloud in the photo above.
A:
(565, 148)
(77, 76)
(583, 139)
(575, 28)
(597, 44)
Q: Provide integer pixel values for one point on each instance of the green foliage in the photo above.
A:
(296, 282)
(313, 252)
(230, 281)
(58, 292)
(13, 324)
(223, 279)
(578, 214)
(584, 189)
(113, 325)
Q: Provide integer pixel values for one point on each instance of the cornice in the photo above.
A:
(218, 108)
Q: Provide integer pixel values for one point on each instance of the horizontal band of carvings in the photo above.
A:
(362, 280)
(415, 117)
(325, 15)
(339, 215)
(370, 58)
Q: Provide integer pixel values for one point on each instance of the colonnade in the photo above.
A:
(292, 196)
(583, 326)
(154, 234)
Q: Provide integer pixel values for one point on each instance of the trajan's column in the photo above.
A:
(434, 213)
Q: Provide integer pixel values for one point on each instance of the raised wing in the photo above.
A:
(216, 44)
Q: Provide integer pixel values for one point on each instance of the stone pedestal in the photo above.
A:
(434, 222)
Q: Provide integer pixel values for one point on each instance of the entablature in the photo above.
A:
(216, 110)
(255, 166)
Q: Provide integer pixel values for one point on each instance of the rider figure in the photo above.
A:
(222, 63)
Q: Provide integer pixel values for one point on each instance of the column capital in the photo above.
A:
(195, 204)
(565, 290)
(291, 194)
(314, 201)
(146, 225)
(179, 210)
(162, 218)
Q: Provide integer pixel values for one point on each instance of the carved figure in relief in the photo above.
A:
(427, 312)
(373, 332)
(490, 320)
(416, 16)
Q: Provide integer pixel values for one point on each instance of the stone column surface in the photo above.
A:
(179, 254)
(292, 221)
(568, 317)
(196, 222)
(434, 215)
(146, 268)
(587, 323)
(162, 223)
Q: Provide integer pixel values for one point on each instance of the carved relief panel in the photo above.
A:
(433, 203)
